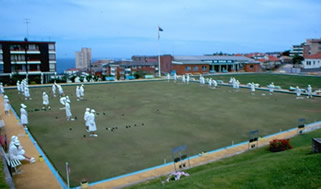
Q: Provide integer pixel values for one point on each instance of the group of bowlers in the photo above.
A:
(236, 84)
(22, 87)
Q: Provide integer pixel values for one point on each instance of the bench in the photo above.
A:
(12, 163)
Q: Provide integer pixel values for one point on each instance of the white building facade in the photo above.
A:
(311, 62)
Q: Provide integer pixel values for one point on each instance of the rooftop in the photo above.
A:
(315, 56)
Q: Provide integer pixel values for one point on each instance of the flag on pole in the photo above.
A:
(159, 30)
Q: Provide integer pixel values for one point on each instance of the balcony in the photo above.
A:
(29, 62)
(22, 51)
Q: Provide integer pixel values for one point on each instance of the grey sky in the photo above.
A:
(121, 28)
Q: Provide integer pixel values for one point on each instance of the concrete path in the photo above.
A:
(33, 176)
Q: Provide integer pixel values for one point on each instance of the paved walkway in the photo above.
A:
(36, 175)
(39, 175)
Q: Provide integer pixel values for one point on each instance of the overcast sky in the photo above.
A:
(122, 28)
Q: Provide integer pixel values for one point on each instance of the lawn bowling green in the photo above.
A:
(139, 123)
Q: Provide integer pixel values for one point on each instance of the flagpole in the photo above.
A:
(67, 171)
(159, 69)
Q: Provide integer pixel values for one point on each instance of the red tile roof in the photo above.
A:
(315, 56)
(273, 58)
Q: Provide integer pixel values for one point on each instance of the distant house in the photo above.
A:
(125, 68)
(212, 64)
(312, 61)
(269, 62)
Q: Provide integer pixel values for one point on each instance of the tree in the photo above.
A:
(297, 59)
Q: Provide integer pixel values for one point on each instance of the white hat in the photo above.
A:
(14, 138)
(87, 109)
(23, 106)
(5, 96)
(43, 93)
(92, 111)
(17, 142)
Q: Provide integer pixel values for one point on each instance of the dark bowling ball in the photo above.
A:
(70, 129)
(84, 135)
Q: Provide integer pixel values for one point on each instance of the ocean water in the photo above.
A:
(64, 64)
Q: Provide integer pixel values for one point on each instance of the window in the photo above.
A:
(139, 66)
(1, 68)
(52, 57)
(195, 68)
(32, 47)
(204, 68)
(33, 67)
(1, 57)
(251, 66)
(187, 68)
(51, 47)
(134, 67)
(17, 57)
(52, 67)
(152, 66)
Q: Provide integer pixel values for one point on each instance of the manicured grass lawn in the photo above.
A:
(166, 115)
(295, 168)
(285, 81)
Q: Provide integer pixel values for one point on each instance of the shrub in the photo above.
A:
(278, 145)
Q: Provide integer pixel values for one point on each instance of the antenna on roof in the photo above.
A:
(27, 21)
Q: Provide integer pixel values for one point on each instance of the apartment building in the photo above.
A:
(27, 58)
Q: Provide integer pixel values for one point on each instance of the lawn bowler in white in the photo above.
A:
(298, 92)
(23, 115)
(187, 78)
(214, 83)
(92, 123)
(175, 77)
(82, 92)
(237, 85)
(68, 111)
(45, 101)
(210, 83)
(78, 93)
(252, 88)
(18, 86)
(271, 88)
(309, 91)
(183, 79)
(63, 101)
(168, 77)
(27, 93)
(60, 90)
(6, 105)
(86, 118)
(16, 151)
(54, 89)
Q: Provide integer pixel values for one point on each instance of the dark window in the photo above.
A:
(195, 68)
(187, 68)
